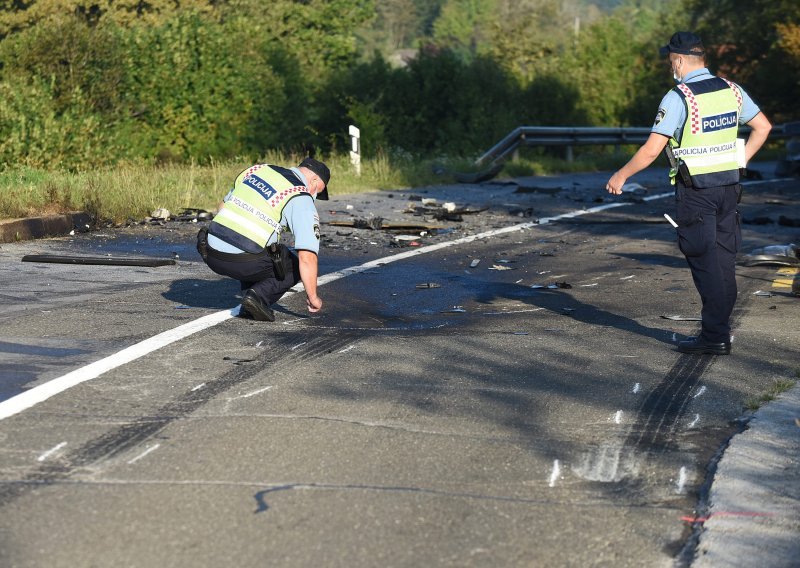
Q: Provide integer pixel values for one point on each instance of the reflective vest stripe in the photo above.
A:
(252, 229)
(736, 91)
(692, 108)
(694, 162)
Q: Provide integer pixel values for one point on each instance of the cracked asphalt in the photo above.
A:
(514, 399)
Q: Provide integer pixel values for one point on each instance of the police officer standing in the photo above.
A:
(700, 118)
(243, 240)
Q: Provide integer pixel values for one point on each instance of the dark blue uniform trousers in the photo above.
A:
(709, 235)
(257, 272)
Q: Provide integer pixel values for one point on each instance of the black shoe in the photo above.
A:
(255, 308)
(699, 346)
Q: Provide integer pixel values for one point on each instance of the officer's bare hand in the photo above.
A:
(314, 303)
(615, 184)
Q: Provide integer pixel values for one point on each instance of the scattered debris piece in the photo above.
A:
(520, 333)
(554, 286)
(757, 221)
(781, 255)
(428, 285)
(104, 260)
(236, 360)
(785, 221)
(428, 201)
(449, 207)
(763, 294)
(500, 267)
(634, 188)
(160, 213)
(682, 318)
(521, 211)
(372, 224)
(375, 223)
(539, 189)
(454, 310)
(475, 263)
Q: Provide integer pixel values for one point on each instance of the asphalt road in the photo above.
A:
(485, 419)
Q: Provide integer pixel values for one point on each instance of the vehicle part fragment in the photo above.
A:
(99, 260)
(780, 255)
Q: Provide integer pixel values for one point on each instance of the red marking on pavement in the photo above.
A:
(689, 519)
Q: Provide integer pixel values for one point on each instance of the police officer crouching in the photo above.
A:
(243, 240)
(700, 119)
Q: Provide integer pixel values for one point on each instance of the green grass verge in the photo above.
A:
(778, 386)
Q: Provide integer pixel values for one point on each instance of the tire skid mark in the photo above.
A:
(658, 419)
(128, 436)
(667, 403)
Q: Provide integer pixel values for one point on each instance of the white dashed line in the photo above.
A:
(51, 451)
(144, 453)
(554, 474)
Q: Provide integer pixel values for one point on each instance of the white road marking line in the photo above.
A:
(298, 345)
(144, 453)
(682, 479)
(618, 417)
(29, 398)
(636, 388)
(346, 349)
(198, 387)
(51, 451)
(701, 391)
(695, 421)
(554, 474)
(41, 393)
(253, 393)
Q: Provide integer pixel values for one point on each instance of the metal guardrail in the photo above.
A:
(586, 136)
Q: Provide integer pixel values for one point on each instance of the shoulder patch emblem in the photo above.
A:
(316, 231)
(660, 115)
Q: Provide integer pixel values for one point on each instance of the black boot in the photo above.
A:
(255, 308)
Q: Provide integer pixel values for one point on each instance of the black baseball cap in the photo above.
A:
(322, 171)
(685, 43)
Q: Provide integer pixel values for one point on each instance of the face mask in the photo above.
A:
(675, 75)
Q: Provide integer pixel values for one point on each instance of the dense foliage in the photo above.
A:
(85, 83)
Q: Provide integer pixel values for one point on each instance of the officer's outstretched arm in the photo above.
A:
(761, 129)
(308, 274)
(643, 157)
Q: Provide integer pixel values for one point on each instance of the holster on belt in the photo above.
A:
(275, 251)
(679, 167)
(202, 242)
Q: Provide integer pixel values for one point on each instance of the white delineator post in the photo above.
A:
(355, 148)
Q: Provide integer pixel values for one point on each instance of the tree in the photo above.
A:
(752, 44)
